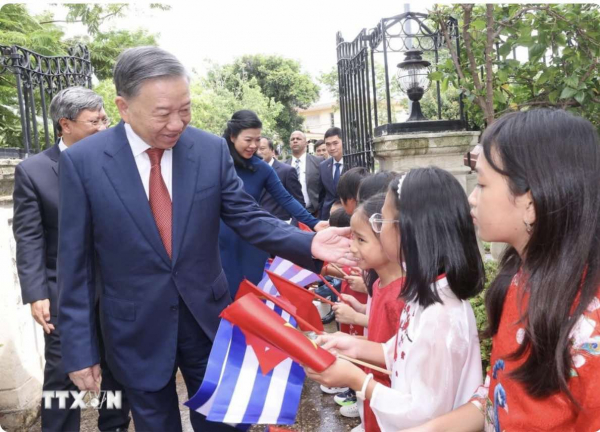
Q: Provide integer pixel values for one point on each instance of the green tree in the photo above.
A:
(215, 99)
(105, 47)
(41, 34)
(563, 46)
(279, 79)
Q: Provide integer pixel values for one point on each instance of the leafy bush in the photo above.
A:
(478, 304)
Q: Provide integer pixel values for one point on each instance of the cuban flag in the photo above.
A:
(289, 271)
(234, 389)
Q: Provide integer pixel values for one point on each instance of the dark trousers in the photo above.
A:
(58, 419)
(159, 411)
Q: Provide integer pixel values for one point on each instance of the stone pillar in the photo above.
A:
(21, 339)
(445, 150)
(418, 149)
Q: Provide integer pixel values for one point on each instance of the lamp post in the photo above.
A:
(414, 81)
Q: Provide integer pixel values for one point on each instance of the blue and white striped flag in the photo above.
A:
(289, 271)
(234, 389)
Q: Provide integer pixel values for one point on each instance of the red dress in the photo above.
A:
(384, 315)
(353, 329)
(504, 401)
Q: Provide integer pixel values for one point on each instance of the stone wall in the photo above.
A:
(21, 339)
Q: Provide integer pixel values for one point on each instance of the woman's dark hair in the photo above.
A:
(554, 156)
(367, 209)
(240, 120)
(375, 184)
(349, 183)
(339, 218)
(437, 236)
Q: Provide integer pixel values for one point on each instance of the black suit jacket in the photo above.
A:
(35, 226)
(289, 179)
(329, 190)
(313, 182)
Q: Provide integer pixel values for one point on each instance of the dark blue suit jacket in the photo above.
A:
(289, 179)
(331, 196)
(103, 208)
(35, 225)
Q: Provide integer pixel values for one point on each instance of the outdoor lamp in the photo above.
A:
(414, 81)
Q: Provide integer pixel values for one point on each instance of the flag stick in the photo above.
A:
(323, 299)
(338, 269)
(362, 363)
(336, 292)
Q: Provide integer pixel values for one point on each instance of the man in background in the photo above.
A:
(76, 112)
(307, 168)
(288, 177)
(321, 149)
(331, 169)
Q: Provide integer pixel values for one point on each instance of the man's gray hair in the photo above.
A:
(68, 103)
(136, 65)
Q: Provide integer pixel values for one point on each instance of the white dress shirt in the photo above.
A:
(62, 146)
(142, 160)
(271, 162)
(302, 175)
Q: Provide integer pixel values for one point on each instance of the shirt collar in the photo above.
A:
(138, 146)
(302, 158)
(271, 161)
(62, 146)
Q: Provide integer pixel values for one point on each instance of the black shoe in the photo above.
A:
(330, 317)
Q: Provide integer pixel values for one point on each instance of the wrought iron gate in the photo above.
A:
(37, 79)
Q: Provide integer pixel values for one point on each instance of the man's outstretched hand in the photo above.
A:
(333, 245)
(87, 379)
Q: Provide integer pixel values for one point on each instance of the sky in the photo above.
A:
(225, 29)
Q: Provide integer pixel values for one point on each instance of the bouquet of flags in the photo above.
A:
(253, 374)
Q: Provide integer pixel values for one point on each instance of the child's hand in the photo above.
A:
(338, 342)
(341, 373)
(354, 303)
(356, 283)
(344, 314)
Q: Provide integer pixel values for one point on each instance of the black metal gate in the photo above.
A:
(358, 86)
(37, 79)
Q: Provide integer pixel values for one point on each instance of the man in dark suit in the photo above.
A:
(331, 169)
(307, 167)
(288, 177)
(76, 112)
(148, 196)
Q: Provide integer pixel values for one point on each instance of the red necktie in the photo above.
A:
(160, 201)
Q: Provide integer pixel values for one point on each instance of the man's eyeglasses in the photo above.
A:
(377, 222)
(105, 121)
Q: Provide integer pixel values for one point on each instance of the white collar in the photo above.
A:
(302, 158)
(138, 145)
(272, 161)
(62, 146)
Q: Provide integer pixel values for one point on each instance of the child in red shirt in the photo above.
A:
(538, 190)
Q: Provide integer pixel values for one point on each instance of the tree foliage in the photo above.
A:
(43, 34)
(279, 79)
(560, 70)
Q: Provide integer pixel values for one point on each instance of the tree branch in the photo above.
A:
(489, 62)
(467, 9)
(509, 22)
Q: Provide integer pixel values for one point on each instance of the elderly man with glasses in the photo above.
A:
(76, 113)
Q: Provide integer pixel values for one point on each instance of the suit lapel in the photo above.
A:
(122, 172)
(185, 175)
(328, 173)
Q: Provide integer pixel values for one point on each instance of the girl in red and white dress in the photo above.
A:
(383, 280)
(433, 355)
(539, 191)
